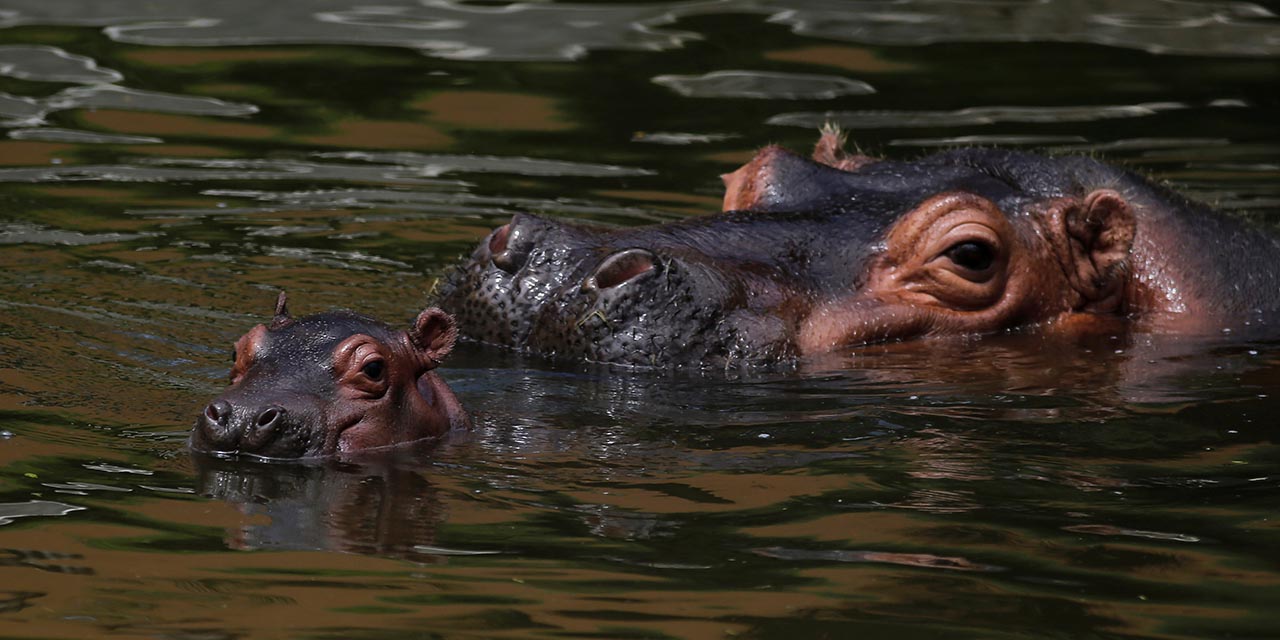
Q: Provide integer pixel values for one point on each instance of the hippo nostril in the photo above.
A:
(504, 253)
(498, 239)
(268, 419)
(213, 430)
(218, 412)
(621, 268)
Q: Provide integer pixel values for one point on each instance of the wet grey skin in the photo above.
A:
(279, 409)
(733, 288)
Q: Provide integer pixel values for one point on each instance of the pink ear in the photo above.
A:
(434, 333)
(1104, 227)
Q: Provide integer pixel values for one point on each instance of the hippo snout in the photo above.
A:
(224, 427)
(610, 295)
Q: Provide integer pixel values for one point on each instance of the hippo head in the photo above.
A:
(809, 255)
(329, 383)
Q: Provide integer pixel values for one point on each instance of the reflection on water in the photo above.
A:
(97, 91)
(169, 167)
(382, 508)
(759, 84)
(567, 31)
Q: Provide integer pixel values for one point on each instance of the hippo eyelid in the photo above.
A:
(354, 355)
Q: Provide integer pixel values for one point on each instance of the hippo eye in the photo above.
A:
(373, 369)
(972, 255)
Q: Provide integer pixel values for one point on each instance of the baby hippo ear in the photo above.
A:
(433, 333)
(1101, 231)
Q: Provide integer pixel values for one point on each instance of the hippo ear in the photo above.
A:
(434, 333)
(282, 317)
(830, 151)
(778, 180)
(1101, 232)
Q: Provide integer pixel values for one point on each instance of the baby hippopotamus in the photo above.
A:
(332, 383)
(813, 255)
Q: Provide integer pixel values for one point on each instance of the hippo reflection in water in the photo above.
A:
(813, 255)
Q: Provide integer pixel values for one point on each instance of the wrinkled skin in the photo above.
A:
(811, 255)
(332, 383)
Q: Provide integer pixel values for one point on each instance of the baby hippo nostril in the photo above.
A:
(265, 429)
(269, 418)
(218, 412)
(622, 267)
(214, 430)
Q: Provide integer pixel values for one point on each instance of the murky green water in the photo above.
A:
(168, 167)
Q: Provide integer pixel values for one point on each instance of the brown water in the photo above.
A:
(168, 167)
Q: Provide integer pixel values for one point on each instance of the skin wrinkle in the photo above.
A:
(389, 415)
(904, 281)
(1049, 227)
(927, 238)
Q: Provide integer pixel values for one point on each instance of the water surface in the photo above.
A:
(167, 168)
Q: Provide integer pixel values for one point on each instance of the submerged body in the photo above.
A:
(813, 255)
(332, 383)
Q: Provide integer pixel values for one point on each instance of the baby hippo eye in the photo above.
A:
(972, 255)
(374, 369)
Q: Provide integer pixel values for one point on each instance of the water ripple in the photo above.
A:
(51, 64)
(96, 89)
(923, 560)
(536, 31)
(32, 508)
(23, 233)
(1108, 530)
(109, 96)
(870, 119)
(764, 84)
(79, 137)
(432, 165)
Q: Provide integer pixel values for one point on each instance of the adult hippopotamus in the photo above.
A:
(811, 255)
(332, 383)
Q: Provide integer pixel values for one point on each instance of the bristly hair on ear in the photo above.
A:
(282, 317)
